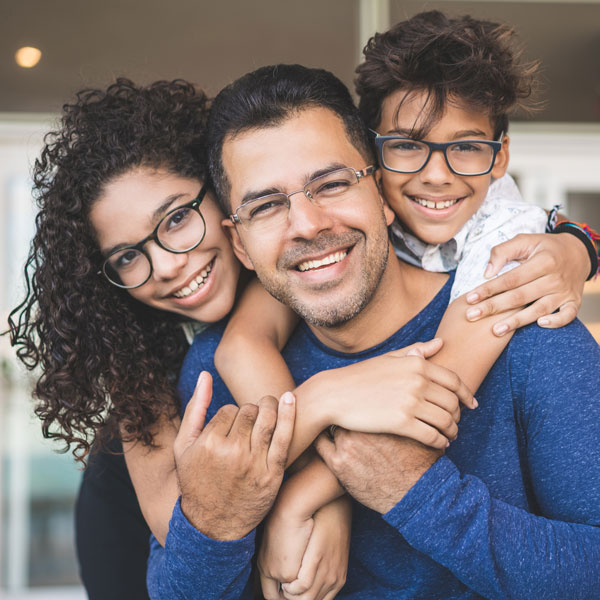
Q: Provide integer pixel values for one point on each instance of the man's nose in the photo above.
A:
(306, 219)
(436, 171)
(165, 265)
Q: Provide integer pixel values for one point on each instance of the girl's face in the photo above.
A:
(200, 284)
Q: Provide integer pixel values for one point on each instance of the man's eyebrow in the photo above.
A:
(251, 195)
(156, 217)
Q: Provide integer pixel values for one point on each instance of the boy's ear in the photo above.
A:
(501, 162)
(236, 243)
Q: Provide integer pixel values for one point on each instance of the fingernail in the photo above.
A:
(472, 297)
(488, 270)
(201, 376)
(473, 313)
(543, 321)
(447, 444)
(475, 403)
(500, 328)
(288, 398)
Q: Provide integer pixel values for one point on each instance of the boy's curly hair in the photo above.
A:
(461, 58)
(105, 358)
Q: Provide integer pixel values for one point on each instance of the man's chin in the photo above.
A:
(328, 315)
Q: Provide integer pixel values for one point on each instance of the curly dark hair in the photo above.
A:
(105, 358)
(473, 60)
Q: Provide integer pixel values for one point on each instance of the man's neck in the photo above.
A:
(402, 293)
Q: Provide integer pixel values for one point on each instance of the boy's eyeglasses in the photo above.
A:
(465, 157)
(273, 209)
(180, 230)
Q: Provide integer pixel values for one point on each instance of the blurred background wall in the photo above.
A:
(555, 156)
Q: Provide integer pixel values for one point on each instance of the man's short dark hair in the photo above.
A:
(267, 97)
(450, 59)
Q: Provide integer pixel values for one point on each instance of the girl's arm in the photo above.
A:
(152, 472)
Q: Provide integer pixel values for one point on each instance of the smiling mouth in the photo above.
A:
(196, 283)
(311, 265)
(435, 205)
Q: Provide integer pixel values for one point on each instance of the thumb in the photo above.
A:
(422, 349)
(192, 423)
(520, 248)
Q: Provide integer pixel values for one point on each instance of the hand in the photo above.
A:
(402, 393)
(230, 471)
(375, 469)
(551, 278)
(325, 563)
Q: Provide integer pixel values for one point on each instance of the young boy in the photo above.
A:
(436, 92)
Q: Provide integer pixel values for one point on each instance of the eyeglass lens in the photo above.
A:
(273, 209)
(464, 157)
(179, 231)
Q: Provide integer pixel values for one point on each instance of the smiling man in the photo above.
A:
(512, 508)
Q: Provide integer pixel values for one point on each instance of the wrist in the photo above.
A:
(588, 243)
(216, 527)
(318, 400)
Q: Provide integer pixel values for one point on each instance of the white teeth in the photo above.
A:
(432, 204)
(328, 260)
(193, 285)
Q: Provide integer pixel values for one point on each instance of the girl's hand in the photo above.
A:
(551, 278)
(324, 563)
(401, 393)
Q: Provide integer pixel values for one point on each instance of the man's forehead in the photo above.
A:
(286, 155)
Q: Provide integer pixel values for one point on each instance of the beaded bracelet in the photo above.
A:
(589, 237)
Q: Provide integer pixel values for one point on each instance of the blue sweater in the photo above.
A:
(511, 510)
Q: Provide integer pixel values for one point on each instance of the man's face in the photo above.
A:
(323, 262)
(435, 202)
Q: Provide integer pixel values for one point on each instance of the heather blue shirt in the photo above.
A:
(511, 510)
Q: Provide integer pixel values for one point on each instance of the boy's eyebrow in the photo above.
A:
(462, 134)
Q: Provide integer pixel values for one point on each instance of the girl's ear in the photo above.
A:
(236, 243)
(501, 162)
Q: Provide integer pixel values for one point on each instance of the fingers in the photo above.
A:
(284, 429)
(441, 420)
(306, 578)
(270, 588)
(518, 248)
(451, 381)
(566, 313)
(422, 349)
(241, 429)
(325, 447)
(195, 413)
(264, 426)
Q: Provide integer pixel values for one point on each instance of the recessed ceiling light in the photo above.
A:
(27, 57)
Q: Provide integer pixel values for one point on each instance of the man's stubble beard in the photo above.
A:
(320, 315)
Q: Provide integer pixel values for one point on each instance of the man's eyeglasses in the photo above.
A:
(465, 157)
(180, 230)
(273, 209)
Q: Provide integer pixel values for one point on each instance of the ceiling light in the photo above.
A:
(27, 57)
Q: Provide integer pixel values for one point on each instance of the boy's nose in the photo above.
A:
(306, 219)
(436, 171)
(165, 265)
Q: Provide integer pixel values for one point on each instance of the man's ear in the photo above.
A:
(501, 162)
(387, 211)
(236, 243)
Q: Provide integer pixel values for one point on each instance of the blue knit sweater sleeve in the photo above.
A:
(500, 550)
(192, 565)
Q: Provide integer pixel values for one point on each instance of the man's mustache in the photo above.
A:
(306, 249)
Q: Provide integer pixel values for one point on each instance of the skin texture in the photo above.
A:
(118, 222)
(435, 181)
(230, 470)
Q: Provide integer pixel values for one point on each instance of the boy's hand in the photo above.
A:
(321, 573)
(401, 393)
(551, 278)
(230, 471)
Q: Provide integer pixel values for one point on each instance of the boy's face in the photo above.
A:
(410, 195)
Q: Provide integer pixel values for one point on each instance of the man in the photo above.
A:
(511, 510)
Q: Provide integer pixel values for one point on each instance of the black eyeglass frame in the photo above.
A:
(362, 173)
(435, 147)
(194, 204)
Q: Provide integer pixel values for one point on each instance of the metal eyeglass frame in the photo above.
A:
(195, 204)
(436, 147)
(235, 219)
